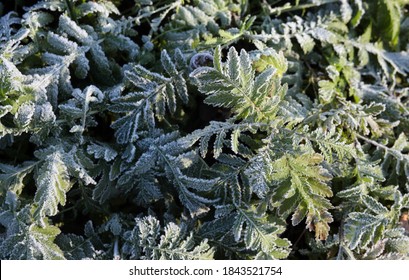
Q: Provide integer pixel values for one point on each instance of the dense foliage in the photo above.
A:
(187, 129)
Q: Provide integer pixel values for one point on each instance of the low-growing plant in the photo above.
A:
(225, 129)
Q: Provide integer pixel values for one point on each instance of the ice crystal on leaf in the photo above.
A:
(204, 129)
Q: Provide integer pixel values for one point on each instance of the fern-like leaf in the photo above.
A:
(303, 188)
(150, 242)
(26, 241)
(52, 185)
(233, 85)
(141, 107)
(11, 177)
(165, 157)
(260, 235)
(363, 229)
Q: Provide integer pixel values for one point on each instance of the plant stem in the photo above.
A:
(289, 8)
(117, 256)
(373, 142)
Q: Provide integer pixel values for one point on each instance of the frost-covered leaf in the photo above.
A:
(151, 242)
(52, 185)
(308, 180)
(11, 177)
(233, 86)
(260, 235)
(102, 151)
(201, 129)
(29, 241)
(158, 94)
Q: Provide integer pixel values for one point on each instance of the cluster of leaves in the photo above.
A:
(204, 129)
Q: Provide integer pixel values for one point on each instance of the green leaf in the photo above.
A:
(259, 235)
(148, 241)
(11, 177)
(217, 59)
(374, 206)
(234, 87)
(28, 241)
(388, 19)
(308, 182)
(327, 91)
(52, 185)
(235, 140)
(102, 151)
